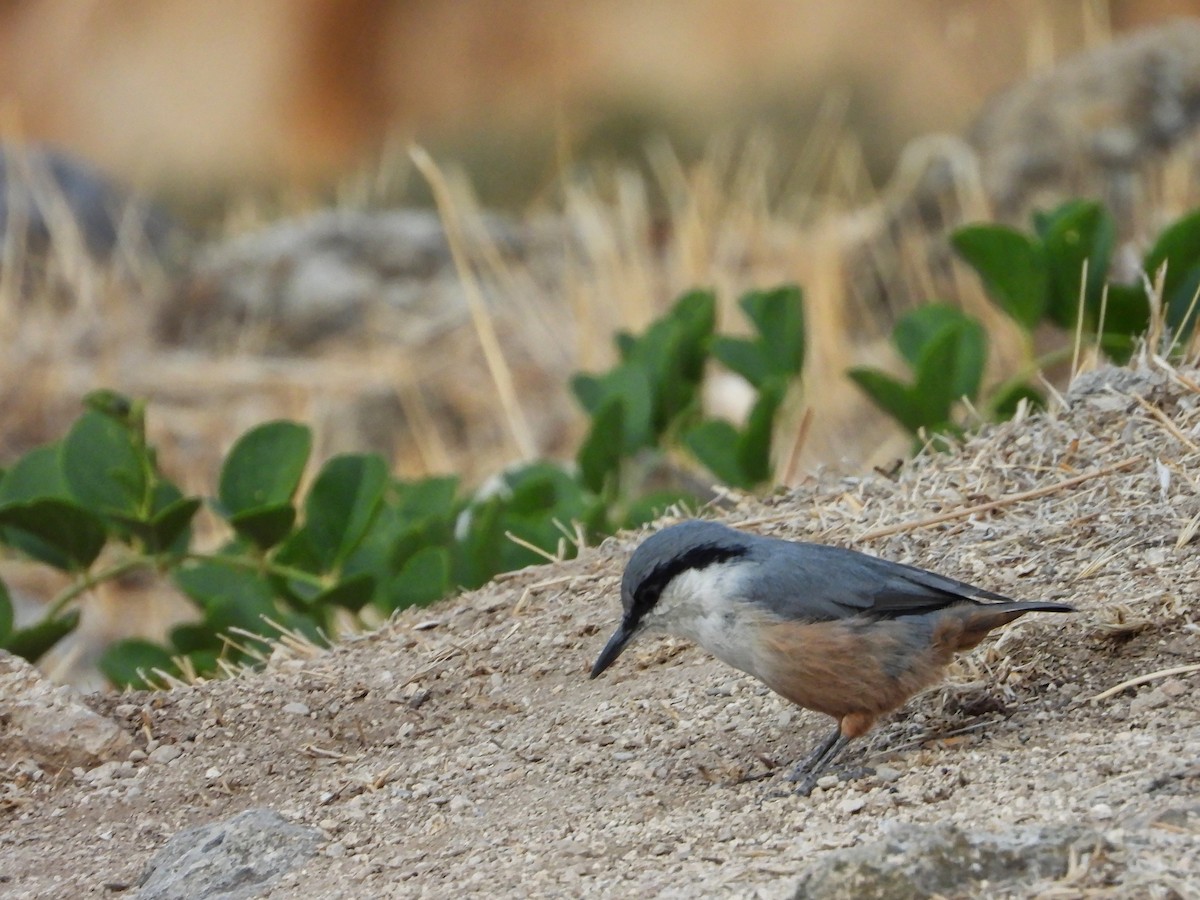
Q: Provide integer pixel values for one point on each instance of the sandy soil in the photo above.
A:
(462, 750)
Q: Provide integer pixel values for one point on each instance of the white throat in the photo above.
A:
(702, 606)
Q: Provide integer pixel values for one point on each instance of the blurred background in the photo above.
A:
(196, 101)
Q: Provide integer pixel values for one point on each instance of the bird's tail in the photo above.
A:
(976, 620)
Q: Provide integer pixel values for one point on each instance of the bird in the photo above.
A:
(834, 630)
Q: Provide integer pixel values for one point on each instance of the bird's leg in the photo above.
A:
(808, 771)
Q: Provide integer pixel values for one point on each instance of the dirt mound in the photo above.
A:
(462, 749)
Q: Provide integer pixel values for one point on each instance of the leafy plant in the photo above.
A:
(946, 351)
(650, 399)
(1057, 275)
(301, 557)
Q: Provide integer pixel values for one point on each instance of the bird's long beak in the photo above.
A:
(613, 648)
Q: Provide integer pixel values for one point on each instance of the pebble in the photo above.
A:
(1173, 688)
(296, 709)
(1101, 811)
(825, 782)
(1155, 699)
(852, 804)
(336, 850)
(165, 753)
(887, 774)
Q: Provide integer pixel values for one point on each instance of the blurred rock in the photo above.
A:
(49, 724)
(57, 210)
(335, 274)
(1102, 124)
(235, 859)
(924, 861)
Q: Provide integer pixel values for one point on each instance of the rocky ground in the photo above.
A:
(462, 750)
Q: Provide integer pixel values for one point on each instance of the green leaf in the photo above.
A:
(105, 468)
(112, 404)
(744, 357)
(265, 526)
(63, 534)
(651, 506)
(715, 444)
(1078, 231)
(169, 527)
(1179, 247)
(1004, 403)
(629, 384)
(600, 454)
(754, 443)
(428, 499)
(1012, 267)
(891, 396)
(189, 637)
(352, 593)
(342, 504)
(212, 583)
(479, 552)
(6, 614)
(124, 662)
(35, 475)
(921, 327)
(951, 365)
(1126, 317)
(778, 316)
(264, 467)
(424, 579)
(31, 643)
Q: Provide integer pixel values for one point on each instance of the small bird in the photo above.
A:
(830, 629)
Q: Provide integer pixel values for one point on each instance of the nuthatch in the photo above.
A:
(830, 629)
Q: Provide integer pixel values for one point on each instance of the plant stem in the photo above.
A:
(88, 582)
(258, 565)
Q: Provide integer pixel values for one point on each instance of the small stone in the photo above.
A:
(296, 709)
(825, 782)
(887, 774)
(852, 805)
(165, 754)
(1148, 700)
(1173, 688)
(137, 755)
(459, 804)
(622, 756)
(238, 857)
(336, 850)
(1101, 811)
(212, 773)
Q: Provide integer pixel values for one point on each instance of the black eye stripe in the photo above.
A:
(646, 594)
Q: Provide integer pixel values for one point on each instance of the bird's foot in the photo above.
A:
(806, 782)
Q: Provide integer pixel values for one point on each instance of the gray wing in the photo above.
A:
(816, 582)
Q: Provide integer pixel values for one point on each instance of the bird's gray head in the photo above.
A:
(685, 548)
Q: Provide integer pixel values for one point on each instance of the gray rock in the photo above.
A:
(54, 206)
(50, 724)
(235, 859)
(922, 861)
(302, 281)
